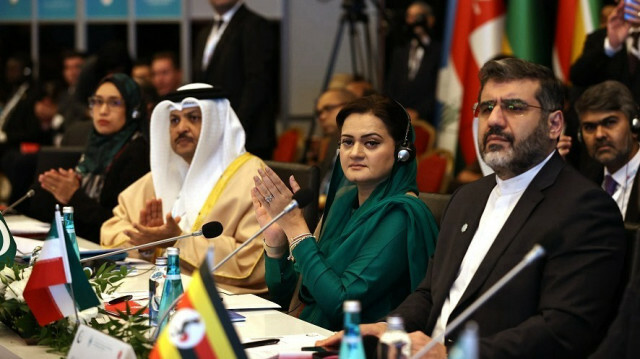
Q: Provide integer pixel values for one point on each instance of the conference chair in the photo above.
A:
(436, 202)
(307, 177)
(288, 145)
(425, 137)
(435, 170)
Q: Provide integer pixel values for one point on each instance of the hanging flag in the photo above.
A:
(524, 38)
(473, 35)
(7, 245)
(55, 275)
(576, 19)
(201, 327)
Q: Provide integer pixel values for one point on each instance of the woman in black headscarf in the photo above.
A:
(117, 155)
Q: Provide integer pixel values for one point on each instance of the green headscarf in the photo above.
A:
(345, 230)
(102, 148)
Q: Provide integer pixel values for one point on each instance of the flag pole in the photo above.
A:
(64, 236)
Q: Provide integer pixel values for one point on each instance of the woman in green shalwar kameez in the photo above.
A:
(376, 237)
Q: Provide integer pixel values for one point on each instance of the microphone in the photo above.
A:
(29, 194)
(209, 230)
(300, 199)
(534, 254)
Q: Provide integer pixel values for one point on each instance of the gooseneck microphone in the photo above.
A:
(534, 254)
(29, 194)
(300, 199)
(209, 230)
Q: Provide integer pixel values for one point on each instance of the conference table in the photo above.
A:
(262, 318)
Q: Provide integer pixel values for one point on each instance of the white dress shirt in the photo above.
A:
(216, 33)
(503, 198)
(624, 177)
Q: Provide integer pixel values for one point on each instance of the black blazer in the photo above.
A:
(557, 307)
(632, 215)
(594, 66)
(244, 65)
(419, 93)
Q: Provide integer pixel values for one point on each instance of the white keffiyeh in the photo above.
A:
(183, 188)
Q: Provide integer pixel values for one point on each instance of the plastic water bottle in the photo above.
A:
(173, 283)
(351, 347)
(156, 285)
(69, 227)
(395, 342)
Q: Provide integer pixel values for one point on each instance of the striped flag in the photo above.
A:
(473, 35)
(576, 19)
(524, 39)
(7, 245)
(201, 327)
(55, 274)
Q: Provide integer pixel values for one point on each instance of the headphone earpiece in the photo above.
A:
(135, 114)
(635, 125)
(405, 152)
(579, 135)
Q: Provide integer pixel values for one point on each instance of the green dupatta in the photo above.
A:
(344, 229)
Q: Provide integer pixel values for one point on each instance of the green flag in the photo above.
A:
(7, 245)
(526, 32)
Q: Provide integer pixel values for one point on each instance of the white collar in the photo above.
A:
(520, 182)
(227, 15)
(622, 175)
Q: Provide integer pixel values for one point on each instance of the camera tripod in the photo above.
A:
(360, 62)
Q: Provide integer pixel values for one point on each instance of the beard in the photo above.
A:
(519, 156)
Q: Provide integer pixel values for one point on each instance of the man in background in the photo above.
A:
(414, 67)
(166, 74)
(238, 53)
(609, 127)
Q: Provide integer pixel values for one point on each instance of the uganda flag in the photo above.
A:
(201, 327)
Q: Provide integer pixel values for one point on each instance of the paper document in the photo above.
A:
(289, 344)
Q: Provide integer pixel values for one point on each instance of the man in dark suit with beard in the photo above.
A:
(609, 127)
(238, 53)
(558, 306)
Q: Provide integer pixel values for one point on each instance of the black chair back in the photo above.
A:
(436, 202)
(307, 177)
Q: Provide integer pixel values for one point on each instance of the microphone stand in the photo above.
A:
(141, 246)
(536, 252)
(29, 194)
(287, 209)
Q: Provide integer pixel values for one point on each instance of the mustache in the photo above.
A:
(496, 131)
(183, 135)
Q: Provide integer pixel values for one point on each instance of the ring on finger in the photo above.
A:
(268, 198)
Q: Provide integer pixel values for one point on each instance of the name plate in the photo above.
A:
(91, 343)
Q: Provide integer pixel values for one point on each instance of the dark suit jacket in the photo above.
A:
(244, 65)
(594, 66)
(558, 306)
(419, 93)
(633, 212)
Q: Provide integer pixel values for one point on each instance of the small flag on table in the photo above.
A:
(201, 327)
(7, 245)
(57, 277)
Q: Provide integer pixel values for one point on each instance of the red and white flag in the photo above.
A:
(55, 274)
(473, 35)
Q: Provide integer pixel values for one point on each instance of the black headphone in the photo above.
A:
(406, 151)
(634, 125)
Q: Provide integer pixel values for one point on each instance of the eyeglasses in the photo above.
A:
(510, 108)
(112, 102)
(327, 108)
